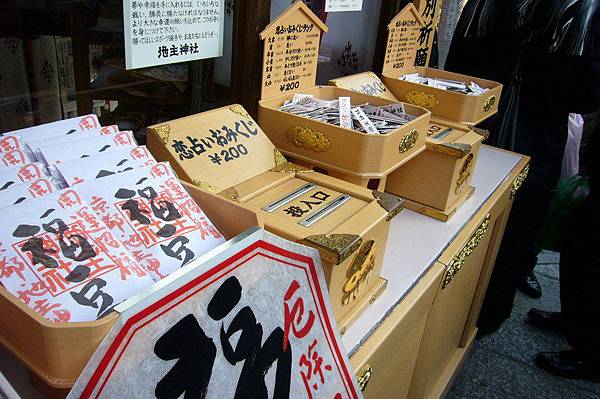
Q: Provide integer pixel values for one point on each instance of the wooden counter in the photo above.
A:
(412, 340)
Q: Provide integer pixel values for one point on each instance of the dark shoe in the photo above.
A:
(531, 287)
(568, 364)
(549, 321)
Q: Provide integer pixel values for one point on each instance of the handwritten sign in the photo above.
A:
(403, 40)
(165, 32)
(291, 51)
(251, 321)
(343, 5)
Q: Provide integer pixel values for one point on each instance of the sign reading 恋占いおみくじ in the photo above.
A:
(343, 5)
(253, 321)
(165, 32)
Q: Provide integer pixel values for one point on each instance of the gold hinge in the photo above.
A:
(359, 270)
(391, 203)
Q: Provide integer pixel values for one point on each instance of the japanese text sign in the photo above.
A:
(430, 11)
(402, 50)
(165, 32)
(253, 321)
(222, 147)
(291, 51)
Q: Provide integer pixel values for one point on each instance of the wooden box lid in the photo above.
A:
(366, 83)
(291, 51)
(453, 139)
(403, 40)
(216, 149)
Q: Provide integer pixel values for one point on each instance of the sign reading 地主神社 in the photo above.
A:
(159, 32)
(248, 320)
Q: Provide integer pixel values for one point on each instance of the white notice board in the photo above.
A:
(159, 32)
(343, 5)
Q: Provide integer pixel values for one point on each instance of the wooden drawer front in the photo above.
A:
(384, 364)
(441, 347)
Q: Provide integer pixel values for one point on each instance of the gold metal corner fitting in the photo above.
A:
(238, 109)
(334, 248)
(391, 203)
(284, 166)
(461, 258)
(457, 150)
(482, 132)
(518, 182)
(359, 271)
(163, 132)
(230, 193)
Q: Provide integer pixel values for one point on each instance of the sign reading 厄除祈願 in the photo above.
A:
(161, 32)
(249, 320)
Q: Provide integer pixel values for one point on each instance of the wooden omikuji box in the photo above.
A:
(406, 30)
(438, 181)
(56, 353)
(290, 65)
(348, 224)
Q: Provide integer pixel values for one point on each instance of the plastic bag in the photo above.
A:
(569, 195)
(570, 163)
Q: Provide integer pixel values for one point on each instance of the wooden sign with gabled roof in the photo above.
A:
(291, 51)
(403, 39)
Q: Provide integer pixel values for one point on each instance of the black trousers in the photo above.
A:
(580, 270)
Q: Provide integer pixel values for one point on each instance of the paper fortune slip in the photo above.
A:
(27, 190)
(60, 259)
(33, 147)
(150, 212)
(55, 154)
(58, 128)
(80, 170)
(14, 176)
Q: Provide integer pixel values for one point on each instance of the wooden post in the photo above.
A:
(389, 9)
(81, 58)
(250, 17)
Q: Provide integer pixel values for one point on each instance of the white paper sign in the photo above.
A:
(165, 32)
(58, 128)
(343, 5)
(345, 114)
(14, 176)
(247, 320)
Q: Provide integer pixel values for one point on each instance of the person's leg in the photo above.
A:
(542, 133)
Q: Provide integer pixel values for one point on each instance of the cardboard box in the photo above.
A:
(290, 65)
(57, 353)
(347, 223)
(438, 181)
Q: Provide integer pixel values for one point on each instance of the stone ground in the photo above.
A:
(501, 365)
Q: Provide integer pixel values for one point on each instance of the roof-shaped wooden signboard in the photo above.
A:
(403, 39)
(214, 150)
(291, 51)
